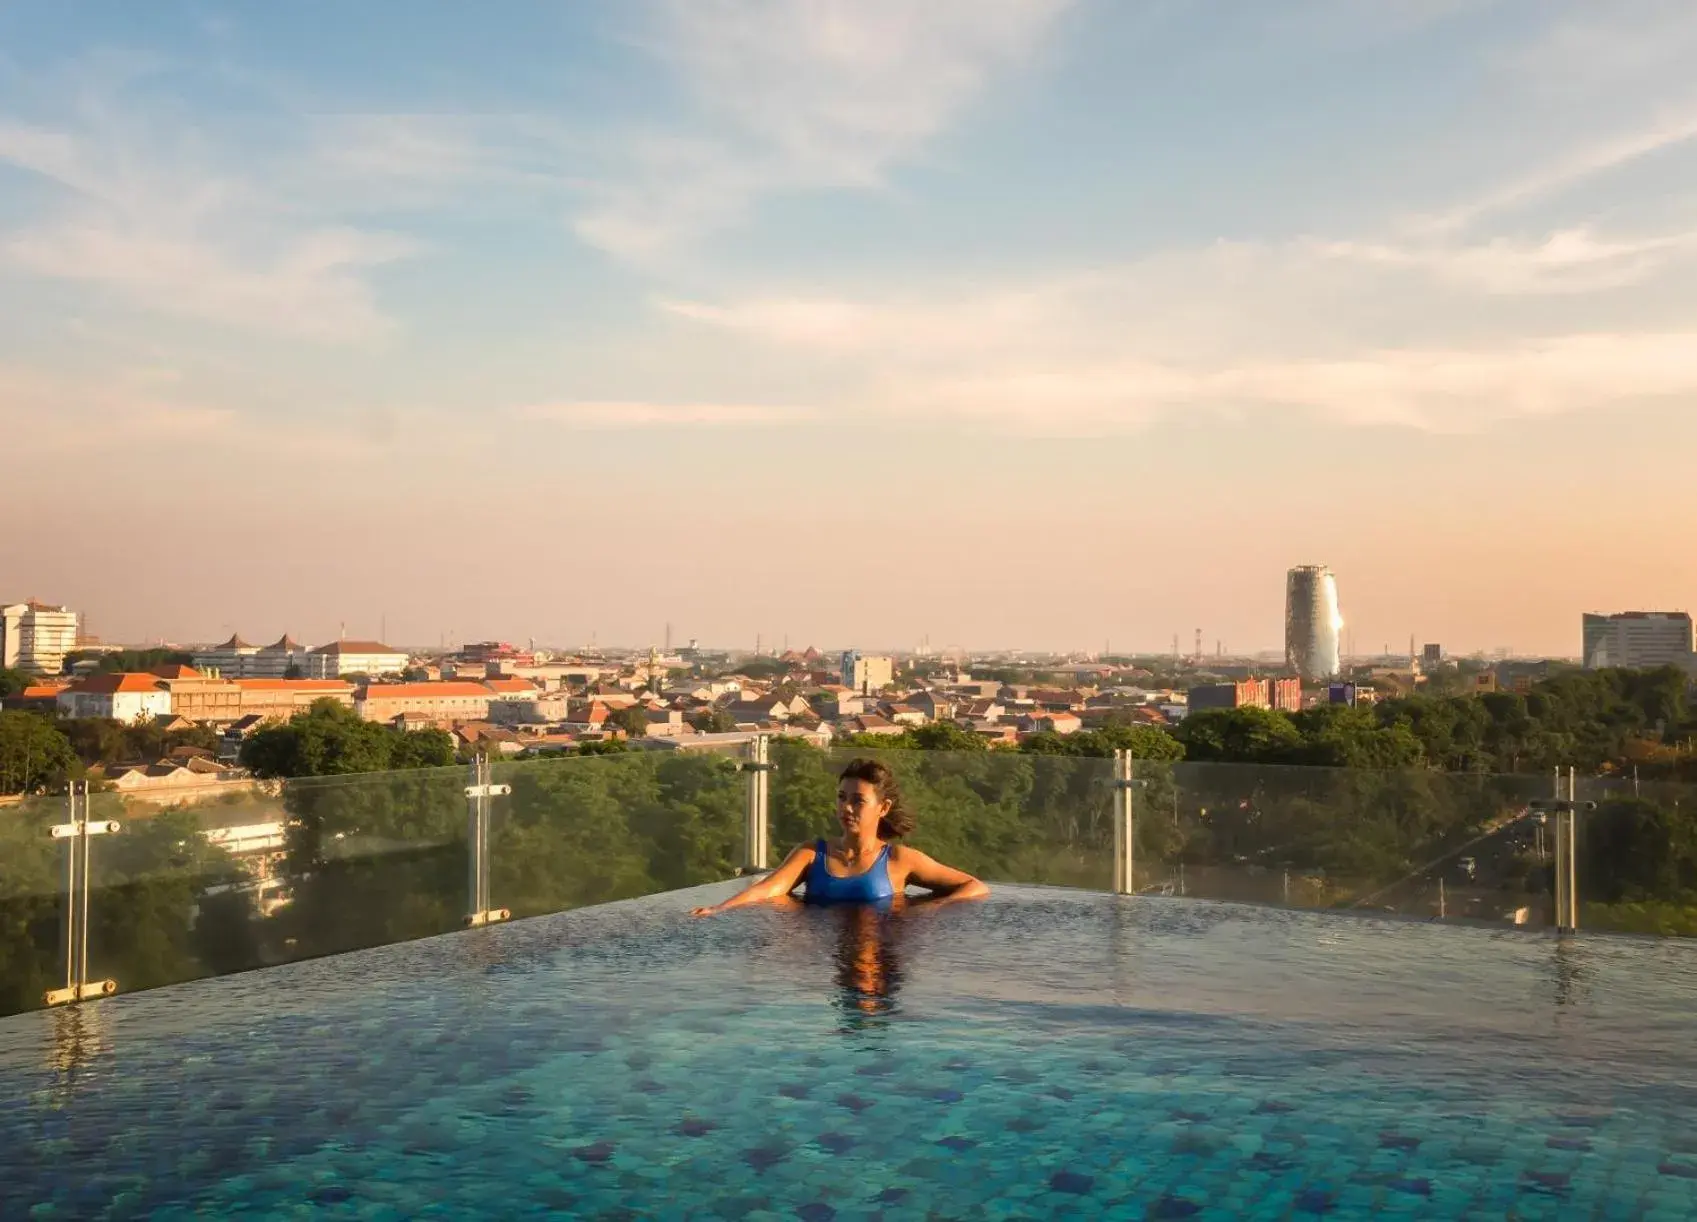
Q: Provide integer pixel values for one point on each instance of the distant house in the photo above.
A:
(1050, 723)
(586, 716)
(666, 723)
(36, 698)
(1056, 699)
(934, 705)
(903, 714)
(983, 711)
(758, 712)
(872, 723)
(127, 696)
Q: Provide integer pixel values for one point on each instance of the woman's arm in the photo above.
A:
(776, 885)
(934, 876)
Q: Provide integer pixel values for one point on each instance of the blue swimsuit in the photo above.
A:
(870, 886)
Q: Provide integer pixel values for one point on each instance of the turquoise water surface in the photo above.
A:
(1043, 1054)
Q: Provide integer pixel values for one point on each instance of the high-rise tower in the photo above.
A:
(1312, 623)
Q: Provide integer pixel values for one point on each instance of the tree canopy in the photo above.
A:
(330, 739)
(106, 661)
(35, 756)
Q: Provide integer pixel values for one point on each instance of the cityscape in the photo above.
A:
(848, 610)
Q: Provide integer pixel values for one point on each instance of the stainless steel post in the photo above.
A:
(757, 766)
(78, 834)
(1124, 826)
(479, 794)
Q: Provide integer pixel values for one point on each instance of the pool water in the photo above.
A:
(1043, 1054)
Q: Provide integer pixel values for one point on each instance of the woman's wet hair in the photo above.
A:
(897, 822)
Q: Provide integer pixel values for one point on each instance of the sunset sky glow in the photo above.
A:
(1000, 323)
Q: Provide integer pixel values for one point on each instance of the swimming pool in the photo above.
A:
(1047, 1053)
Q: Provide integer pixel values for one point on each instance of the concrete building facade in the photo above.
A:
(127, 697)
(35, 637)
(1638, 640)
(342, 658)
(865, 673)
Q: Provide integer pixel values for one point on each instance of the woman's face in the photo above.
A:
(858, 806)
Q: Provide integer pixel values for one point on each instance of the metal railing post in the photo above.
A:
(1124, 826)
(758, 765)
(78, 833)
(479, 795)
(1565, 827)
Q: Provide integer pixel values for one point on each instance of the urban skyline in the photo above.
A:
(1028, 324)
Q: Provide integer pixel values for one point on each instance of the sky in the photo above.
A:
(1050, 324)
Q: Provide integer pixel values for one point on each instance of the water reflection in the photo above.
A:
(1571, 974)
(868, 963)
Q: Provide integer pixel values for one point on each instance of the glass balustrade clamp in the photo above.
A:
(479, 795)
(78, 834)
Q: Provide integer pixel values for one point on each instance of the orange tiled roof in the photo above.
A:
(118, 681)
(422, 691)
(509, 685)
(175, 672)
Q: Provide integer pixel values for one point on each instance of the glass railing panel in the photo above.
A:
(182, 889)
(1637, 858)
(1414, 842)
(1001, 815)
(370, 859)
(32, 901)
(587, 830)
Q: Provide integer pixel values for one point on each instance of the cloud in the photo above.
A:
(1569, 261)
(65, 413)
(312, 289)
(148, 213)
(797, 95)
(1232, 330)
(1457, 390)
(1669, 130)
(611, 415)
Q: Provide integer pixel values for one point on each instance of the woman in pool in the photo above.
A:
(864, 865)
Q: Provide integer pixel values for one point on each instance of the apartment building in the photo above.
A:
(35, 637)
(342, 658)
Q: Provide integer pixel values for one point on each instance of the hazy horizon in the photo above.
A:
(1003, 323)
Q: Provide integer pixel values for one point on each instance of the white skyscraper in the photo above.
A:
(36, 637)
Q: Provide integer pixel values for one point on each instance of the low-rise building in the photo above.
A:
(438, 703)
(1051, 722)
(236, 659)
(201, 697)
(1286, 694)
(872, 723)
(1245, 693)
(281, 699)
(341, 658)
(539, 709)
(121, 696)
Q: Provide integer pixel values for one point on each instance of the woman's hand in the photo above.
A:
(713, 910)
